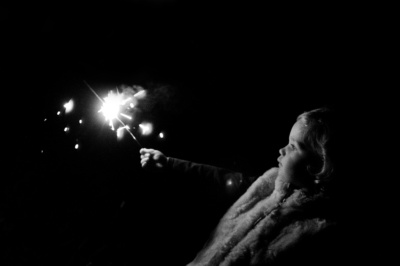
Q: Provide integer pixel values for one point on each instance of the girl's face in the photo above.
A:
(295, 157)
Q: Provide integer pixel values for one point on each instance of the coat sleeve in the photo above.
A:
(224, 181)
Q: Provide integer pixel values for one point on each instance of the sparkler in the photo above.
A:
(112, 105)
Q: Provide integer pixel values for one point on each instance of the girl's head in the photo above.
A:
(309, 158)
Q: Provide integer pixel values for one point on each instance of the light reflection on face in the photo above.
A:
(294, 157)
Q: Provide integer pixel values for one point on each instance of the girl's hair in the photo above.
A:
(320, 137)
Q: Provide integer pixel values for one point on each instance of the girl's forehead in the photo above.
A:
(298, 130)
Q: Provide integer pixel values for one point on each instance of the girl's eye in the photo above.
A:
(292, 146)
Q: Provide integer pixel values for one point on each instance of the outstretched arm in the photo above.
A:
(226, 181)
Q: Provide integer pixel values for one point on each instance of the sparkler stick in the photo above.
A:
(114, 116)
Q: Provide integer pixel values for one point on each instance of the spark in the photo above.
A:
(126, 100)
(69, 106)
(126, 116)
(161, 135)
(140, 94)
(120, 131)
(147, 128)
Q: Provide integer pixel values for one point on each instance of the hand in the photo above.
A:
(152, 159)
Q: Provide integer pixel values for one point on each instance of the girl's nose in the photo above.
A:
(282, 151)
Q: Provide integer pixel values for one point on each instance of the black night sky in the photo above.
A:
(225, 83)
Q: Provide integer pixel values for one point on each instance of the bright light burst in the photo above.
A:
(116, 104)
(112, 107)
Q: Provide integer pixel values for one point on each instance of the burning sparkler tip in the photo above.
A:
(114, 105)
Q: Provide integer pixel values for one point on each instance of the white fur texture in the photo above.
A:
(264, 222)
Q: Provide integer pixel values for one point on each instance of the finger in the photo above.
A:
(146, 155)
(144, 150)
(156, 156)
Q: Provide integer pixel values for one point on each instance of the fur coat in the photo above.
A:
(270, 224)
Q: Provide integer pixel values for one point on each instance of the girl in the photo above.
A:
(286, 215)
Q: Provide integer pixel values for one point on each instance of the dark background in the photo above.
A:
(226, 82)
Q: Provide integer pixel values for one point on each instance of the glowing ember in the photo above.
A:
(121, 131)
(140, 94)
(147, 128)
(69, 106)
(126, 116)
